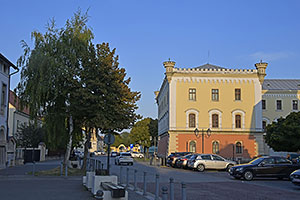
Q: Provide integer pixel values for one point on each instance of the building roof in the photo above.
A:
(281, 84)
(209, 66)
(7, 61)
(15, 101)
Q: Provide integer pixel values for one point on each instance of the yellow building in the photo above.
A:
(223, 104)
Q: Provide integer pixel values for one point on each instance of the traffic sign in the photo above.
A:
(109, 139)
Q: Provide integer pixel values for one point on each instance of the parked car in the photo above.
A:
(266, 166)
(114, 154)
(201, 162)
(181, 162)
(295, 177)
(137, 154)
(124, 158)
(98, 153)
(174, 156)
(295, 158)
(79, 154)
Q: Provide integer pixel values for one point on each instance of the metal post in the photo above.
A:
(183, 191)
(164, 193)
(171, 188)
(202, 141)
(157, 187)
(66, 171)
(145, 185)
(33, 168)
(120, 178)
(135, 183)
(127, 177)
(96, 164)
(61, 168)
(102, 166)
(108, 152)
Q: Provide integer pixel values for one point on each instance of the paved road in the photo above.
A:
(208, 184)
(16, 184)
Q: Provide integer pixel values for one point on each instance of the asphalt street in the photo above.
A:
(206, 185)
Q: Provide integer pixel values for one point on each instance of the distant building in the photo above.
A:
(280, 97)
(5, 75)
(224, 104)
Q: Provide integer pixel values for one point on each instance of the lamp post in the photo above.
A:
(208, 133)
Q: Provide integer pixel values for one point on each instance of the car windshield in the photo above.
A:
(125, 154)
(256, 161)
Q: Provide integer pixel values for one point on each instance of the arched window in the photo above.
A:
(238, 121)
(2, 134)
(264, 125)
(215, 121)
(193, 146)
(215, 147)
(238, 148)
(192, 120)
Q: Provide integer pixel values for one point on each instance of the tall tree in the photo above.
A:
(284, 135)
(140, 133)
(50, 75)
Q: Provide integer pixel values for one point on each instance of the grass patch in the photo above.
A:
(56, 172)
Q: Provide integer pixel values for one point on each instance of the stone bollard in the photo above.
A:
(183, 191)
(164, 193)
(157, 187)
(127, 177)
(120, 178)
(145, 184)
(171, 188)
(135, 182)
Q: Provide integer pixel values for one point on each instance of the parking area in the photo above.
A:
(210, 184)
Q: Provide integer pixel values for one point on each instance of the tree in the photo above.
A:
(141, 132)
(284, 135)
(123, 138)
(80, 85)
(153, 129)
(30, 136)
(50, 76)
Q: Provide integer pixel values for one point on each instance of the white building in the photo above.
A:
(5, 75)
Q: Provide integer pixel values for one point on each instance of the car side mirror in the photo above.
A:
(262, 164)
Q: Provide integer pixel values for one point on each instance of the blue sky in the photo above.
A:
(146, 33)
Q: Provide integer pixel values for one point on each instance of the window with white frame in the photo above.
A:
(216, 147)
(215, 94)
(192, 94)
(238, 148)
(237, 94)
(192, 120)
(215, 118)
(192, 146)
(238, 121)
(278, 104)
(295, 104)
(215, 121)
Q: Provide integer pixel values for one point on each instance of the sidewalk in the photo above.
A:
(16, 184)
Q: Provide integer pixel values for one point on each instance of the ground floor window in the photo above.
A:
(193, 146)
(215, 147)
(238, 148)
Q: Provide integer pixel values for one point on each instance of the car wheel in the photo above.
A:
(141, 156)
(229, 167)
(200, 168)
(248, 175)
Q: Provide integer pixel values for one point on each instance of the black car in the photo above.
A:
(174, 156)
(181, 162)
(266, 166)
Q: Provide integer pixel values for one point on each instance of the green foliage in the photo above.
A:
(30, 136)
(284, 135)
(67, 76)
(142, 130)
(123, 138)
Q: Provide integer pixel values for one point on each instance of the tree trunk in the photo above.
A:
(69, 145)
(86, 147)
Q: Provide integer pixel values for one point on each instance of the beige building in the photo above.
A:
(222, 104)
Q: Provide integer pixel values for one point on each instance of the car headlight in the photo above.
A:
(239, 169)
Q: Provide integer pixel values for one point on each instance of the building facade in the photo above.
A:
(5, 66)
(210, 109)
(280, 97)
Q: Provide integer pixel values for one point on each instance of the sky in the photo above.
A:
(231, 34)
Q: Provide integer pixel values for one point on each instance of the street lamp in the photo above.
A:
(208, 133)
